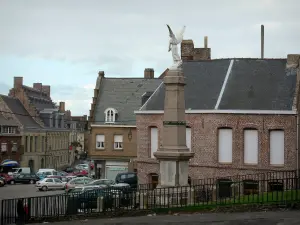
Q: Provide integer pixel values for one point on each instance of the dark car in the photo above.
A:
(68, 170)
(127, 178)
(24, 178)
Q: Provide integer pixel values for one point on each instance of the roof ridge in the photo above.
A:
(239, 58)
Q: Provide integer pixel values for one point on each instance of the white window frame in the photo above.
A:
(118, 142)
(8, 130)
(189, 138)
(225, 152)
(251, 146)
(277, 158)
(100, 141)
(153, 145)
(110, 115)
(3, 147)
(14, 147)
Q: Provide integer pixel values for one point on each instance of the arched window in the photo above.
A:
(110, 115)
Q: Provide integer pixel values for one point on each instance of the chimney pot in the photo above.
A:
(262, 44)
(149, 73)
(205, 42)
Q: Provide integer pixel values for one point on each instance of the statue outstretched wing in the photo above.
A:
(172, 35)
(179, 36)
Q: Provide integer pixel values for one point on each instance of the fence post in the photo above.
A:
(143, 201)
(100, 204)
(214, 193)
(2, 212)
(191, 196)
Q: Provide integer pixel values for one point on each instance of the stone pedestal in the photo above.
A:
(174, 155)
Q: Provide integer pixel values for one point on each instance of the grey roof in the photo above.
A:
(39, 99)
(252, 84)
(7, 122)
(124, 95)
(20, 112)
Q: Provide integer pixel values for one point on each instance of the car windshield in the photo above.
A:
(15, 170)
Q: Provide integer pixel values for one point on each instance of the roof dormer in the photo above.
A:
(110, 115)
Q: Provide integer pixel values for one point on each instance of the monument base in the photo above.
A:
(174, 168)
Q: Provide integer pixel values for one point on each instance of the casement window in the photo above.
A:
(277, 147)
(154, 140)
(250, 146)
(118, 142)
(100, 141)
(14, 147)
(225, 145)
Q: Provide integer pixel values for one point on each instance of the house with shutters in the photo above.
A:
(113, 140)
(241, 116)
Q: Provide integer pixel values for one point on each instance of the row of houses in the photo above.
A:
(35, 131)
(242, 117)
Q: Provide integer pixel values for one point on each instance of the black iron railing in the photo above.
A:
(268, 188)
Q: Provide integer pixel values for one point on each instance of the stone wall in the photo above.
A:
(205, 145)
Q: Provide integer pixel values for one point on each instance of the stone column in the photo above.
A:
(174, 155)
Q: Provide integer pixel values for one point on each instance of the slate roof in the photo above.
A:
(253, 84)
(124, 95)
(20, 112)
(7, 122)
(39, 99)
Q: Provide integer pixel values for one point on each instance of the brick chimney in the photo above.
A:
(149, 73)
(62, 107)
(46, 89)
(189, 52)
(37, 86)
(101, 74)
(18, 82)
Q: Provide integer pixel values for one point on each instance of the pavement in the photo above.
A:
(250, 218)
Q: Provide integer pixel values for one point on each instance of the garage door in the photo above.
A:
(112, 171)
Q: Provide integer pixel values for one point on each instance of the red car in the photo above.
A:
(79, 172)
(8, 179)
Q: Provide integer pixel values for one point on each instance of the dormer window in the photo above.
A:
(110, 115)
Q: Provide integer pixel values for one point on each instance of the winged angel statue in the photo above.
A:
(174, 41)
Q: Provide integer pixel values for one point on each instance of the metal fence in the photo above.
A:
(268, 188)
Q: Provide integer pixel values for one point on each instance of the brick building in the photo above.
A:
(112, 143)
(45, 138)
(241, 116)
(10, 139)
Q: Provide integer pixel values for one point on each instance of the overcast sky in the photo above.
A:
(64, 43)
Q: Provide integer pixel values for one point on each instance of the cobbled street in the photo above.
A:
(251, 218)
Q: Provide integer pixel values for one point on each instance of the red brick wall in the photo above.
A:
(204, 143)
(9, 154)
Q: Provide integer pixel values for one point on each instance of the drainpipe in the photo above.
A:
(297, 146)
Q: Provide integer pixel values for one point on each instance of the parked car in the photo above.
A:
(1, 183)
(128, 178)
(16, 171)
(82, 166)
(8, 179)
(24, 178)
(106, 182)
(69, 170)
(3, 180)
(50, 184)
(48, 172)
(77, 182)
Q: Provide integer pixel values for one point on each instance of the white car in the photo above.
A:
(50, 184)
(82, 166)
